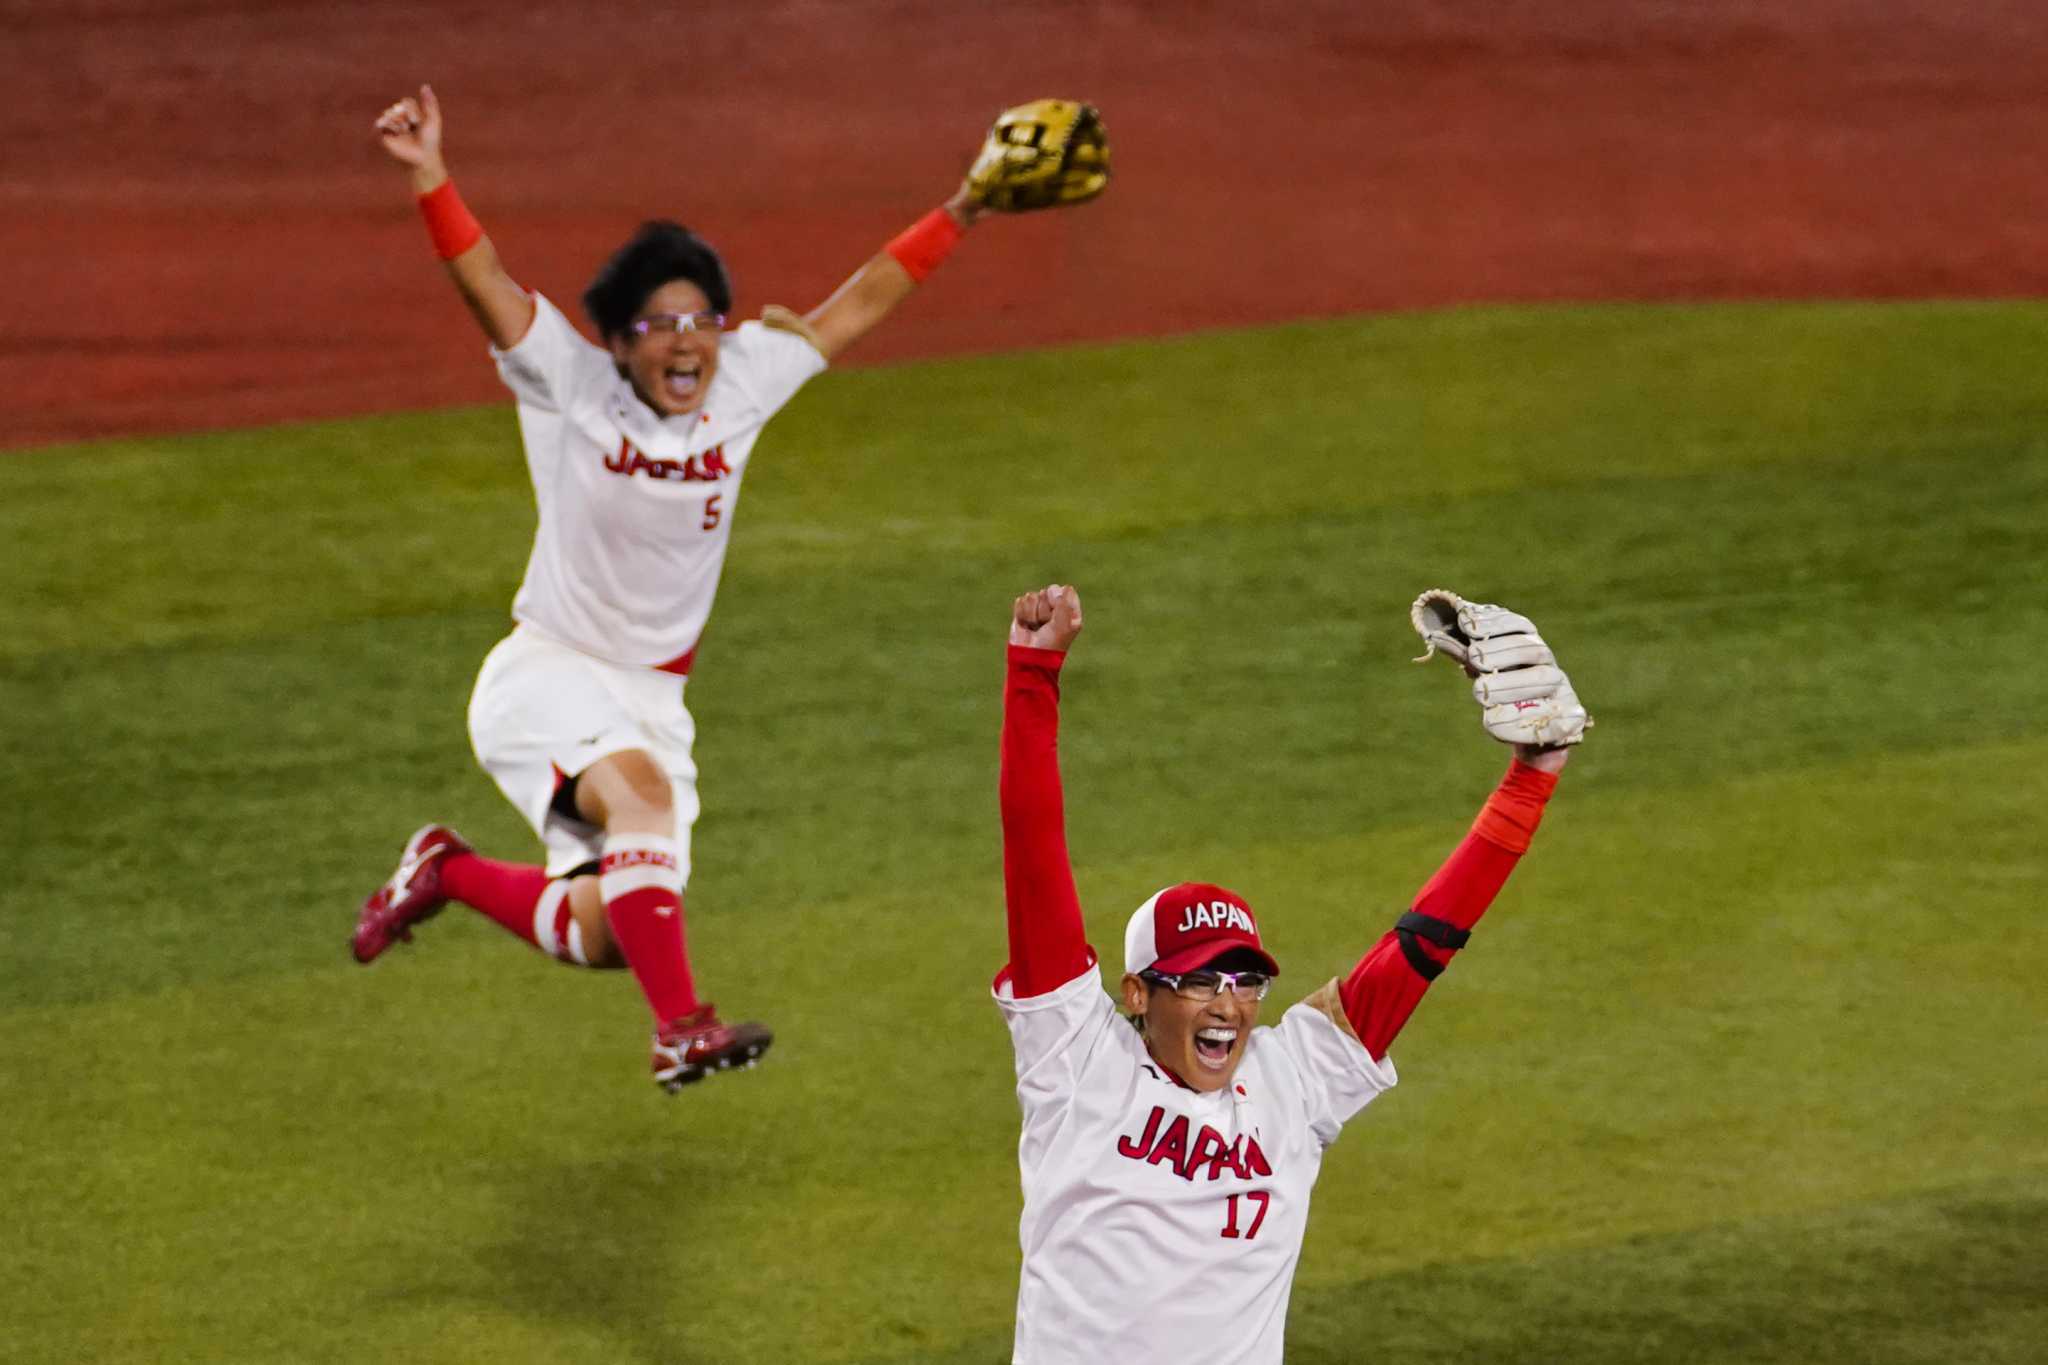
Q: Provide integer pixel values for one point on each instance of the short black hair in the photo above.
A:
(659, 252)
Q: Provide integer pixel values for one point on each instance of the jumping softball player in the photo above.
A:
(636, 448)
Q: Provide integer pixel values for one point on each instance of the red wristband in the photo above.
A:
(449, 222)
(920, 247)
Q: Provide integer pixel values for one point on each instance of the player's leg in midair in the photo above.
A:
(627, 913)
(598, 761)
(532, 702)
(640, 874)
(640, 882)
(561, 916)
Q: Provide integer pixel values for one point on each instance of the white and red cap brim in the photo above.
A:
(1184, 927)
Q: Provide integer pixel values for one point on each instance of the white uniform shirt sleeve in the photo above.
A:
(1338, 1076)
(769, 363)
(545, 368)
(1054, 1035)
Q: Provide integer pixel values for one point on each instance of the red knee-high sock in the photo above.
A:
(641, 881)
(520, 897)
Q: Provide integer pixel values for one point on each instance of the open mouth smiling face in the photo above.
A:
(682, 383)
(1214, 1046)
(1200, 1040)
(670, 353)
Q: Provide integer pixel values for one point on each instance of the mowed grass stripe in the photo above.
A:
(1947, 1275)
(1248, 679)
(1768, 1034)
(1787, 1290)
(244, 534)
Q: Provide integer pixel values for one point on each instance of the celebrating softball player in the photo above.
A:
(636, 449)
(1167, 1167)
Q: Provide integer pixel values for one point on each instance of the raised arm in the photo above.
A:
(1045, 154)
(891, 275)
(1389, 981)
(1048, 946)
(411, 133)
(1525, 700)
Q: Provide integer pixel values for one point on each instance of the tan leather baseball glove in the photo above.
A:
(1042, 155)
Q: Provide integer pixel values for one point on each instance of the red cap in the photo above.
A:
(1189, 926)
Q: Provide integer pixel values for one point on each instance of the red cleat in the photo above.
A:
(697, 1044)
(411, 896)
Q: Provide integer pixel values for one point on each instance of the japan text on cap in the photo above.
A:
(1189, 926)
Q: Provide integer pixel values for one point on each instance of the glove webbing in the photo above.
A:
(1441, 932)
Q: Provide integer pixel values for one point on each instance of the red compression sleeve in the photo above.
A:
(449, 222)
(1048, 946)
(920, 247)
(1384, 989)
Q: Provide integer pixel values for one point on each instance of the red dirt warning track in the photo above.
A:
(199, 230)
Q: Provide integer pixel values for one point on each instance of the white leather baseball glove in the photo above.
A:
(1525, 697)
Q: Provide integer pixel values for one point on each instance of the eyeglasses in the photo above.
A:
(1207, 986)
(678, 322)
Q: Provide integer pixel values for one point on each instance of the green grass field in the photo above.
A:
(1746, 1066)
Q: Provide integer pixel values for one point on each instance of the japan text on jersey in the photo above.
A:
(1160, 1222)
(636, 509)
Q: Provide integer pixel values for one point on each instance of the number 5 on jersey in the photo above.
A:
(1260, 1197)
(713, 513)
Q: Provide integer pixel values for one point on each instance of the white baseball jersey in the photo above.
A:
(636, 509)
(1161, 1223)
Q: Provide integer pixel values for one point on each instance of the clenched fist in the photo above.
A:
(1047, 619)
